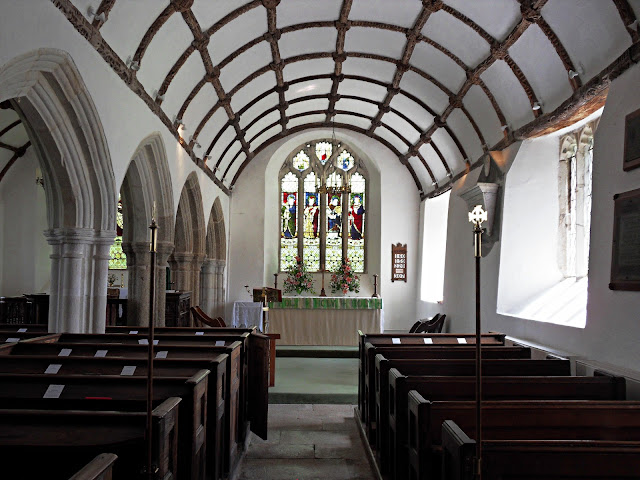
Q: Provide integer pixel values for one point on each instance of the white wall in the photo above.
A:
(392, 217)
(612, 332)
(24, 252)
(529, 263)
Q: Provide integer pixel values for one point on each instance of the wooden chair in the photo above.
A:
(201, 318)
(432, 326)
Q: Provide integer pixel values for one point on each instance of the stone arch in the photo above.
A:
(147, 183)
(49, 94)
(190, 240)
(212, 291)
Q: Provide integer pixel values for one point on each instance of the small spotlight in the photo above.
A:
(100, 18)
(573, 74)
(159, 97)
(504, 127)
(450, 174)
(178, 122)
(133, 64)
(536, 106)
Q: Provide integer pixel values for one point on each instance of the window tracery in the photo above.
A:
(332, 186)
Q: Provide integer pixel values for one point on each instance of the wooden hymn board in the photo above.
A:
(399, 263)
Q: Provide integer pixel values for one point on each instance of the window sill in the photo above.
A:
(563, 304)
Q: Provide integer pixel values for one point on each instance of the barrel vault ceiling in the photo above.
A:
(438, 82)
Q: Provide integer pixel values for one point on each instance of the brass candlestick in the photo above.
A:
(153, 227)
(322, 292)
(375, 286)
(275, 281)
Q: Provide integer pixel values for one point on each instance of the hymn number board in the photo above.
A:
(399, 263)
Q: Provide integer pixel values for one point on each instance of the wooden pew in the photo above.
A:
(227, 392)
(100, 468)
(190, 336)
(440, 367)
(493, 388)
(538, 459)
(53, 444)
(379, 339)
(25, 389)
(517, 420)
(24, 327)
(14, 336)
(419, 352)
(385, 416)
(218, 442)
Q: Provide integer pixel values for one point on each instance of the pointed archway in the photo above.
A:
(46, 89)
(146, 184)
(189, 253)
(212, 291)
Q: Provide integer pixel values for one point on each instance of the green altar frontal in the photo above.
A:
(329, 303)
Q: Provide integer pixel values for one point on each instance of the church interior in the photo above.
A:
(319, 179)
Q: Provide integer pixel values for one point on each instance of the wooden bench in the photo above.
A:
(188, 336)
(387, 339)
(394, 421)
(100, 468)
(493, 388)
(440, 367)
(419, 352)
(517, 420)
(23, 390)
(228, 392)
(218, 442)
(24, 327)
(53, 444)
(538, 459)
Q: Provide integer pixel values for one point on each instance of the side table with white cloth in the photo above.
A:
(247, 315)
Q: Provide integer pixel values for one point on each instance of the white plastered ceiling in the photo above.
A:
(439, 82)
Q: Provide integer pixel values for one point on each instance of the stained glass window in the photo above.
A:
(311, 242)
(118, 260)
(289, 221)
(301, 161)
(355, 249)
(345, 161)
(322, 218)
(323, 151)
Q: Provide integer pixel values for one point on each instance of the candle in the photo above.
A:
(153, 212)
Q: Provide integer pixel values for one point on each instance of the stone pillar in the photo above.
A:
(196, 268)
(208, 287)
(163, 251)
(79, 266)
(181, 268)
(138, 262)
(219, 296)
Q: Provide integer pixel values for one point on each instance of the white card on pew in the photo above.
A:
(199, 333)
(462, 340)
(145, 341)
(133, 332)
(219, 343)
(395, 340)
(162, 354)
(12, 340)
(65, 352)
(428, 340)
(101, 353)
(128, 370)
(53, 391)
(22, 330)
(53, 368)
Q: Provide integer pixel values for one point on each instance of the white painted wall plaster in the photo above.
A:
(392, 216)
(24, 252)
(612, 332)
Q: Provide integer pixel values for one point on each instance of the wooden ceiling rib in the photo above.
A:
(530, 14)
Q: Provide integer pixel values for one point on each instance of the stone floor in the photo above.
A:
(308, 442)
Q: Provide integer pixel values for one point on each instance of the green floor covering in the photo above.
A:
(308, 380)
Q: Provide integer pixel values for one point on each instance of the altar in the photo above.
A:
(325, 320)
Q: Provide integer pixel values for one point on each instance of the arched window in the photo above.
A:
(118, 260)
(323, 193)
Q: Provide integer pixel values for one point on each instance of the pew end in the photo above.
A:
(100, 468)
(458, 453)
